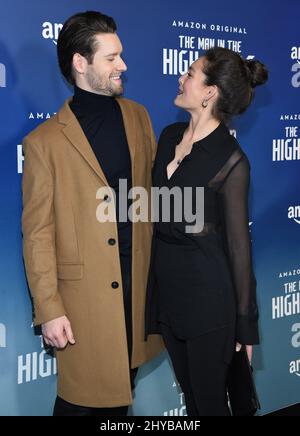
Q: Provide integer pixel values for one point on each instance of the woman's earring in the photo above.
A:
(204, 103)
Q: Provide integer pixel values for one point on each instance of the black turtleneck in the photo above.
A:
(101, 120)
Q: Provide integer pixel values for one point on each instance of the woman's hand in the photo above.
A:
(249, 348)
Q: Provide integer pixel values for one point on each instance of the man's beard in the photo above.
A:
(102, 86)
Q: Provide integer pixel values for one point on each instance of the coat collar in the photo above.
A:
(74, 133)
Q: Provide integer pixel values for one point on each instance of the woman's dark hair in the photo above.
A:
(235, 78)
(78, 36)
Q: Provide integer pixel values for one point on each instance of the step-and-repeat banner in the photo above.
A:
(160, 39)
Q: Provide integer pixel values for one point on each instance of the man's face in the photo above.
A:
(103, 76)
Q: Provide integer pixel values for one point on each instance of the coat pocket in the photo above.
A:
(70, 271)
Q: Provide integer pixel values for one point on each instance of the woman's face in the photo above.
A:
(192, 89)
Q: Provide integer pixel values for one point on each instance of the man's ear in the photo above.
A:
(79, 63)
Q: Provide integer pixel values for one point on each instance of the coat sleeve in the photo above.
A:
(234, 200)
(38, 225)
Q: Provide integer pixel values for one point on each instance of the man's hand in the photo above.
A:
(58, 332)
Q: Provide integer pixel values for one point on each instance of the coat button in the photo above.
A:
(107, 198)
(115, 285)
(111, 241)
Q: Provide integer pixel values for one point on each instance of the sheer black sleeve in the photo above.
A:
(233, 194)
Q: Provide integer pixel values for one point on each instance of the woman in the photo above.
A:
(201, 289)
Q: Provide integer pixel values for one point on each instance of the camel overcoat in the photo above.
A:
(70, 264)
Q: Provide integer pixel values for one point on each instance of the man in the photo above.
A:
(87, 277)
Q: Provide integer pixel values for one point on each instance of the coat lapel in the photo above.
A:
(75, 135)
(129, 120)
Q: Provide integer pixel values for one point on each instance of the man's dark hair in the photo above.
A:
(78, 36)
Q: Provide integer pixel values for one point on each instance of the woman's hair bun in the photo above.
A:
(258, 73)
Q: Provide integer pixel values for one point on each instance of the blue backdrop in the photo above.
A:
(160, 39)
